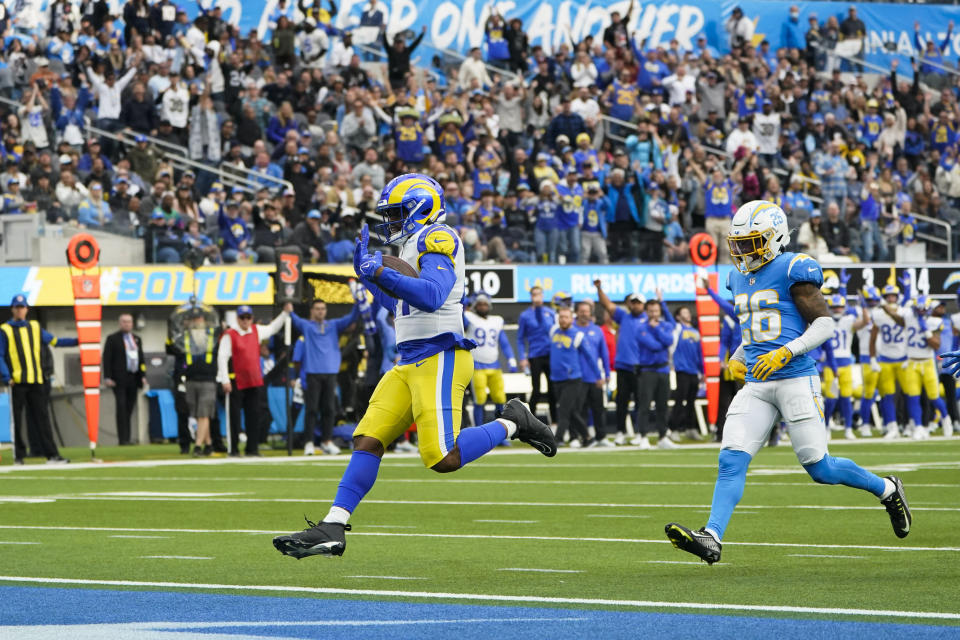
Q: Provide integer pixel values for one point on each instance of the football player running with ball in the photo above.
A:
(783, 316)
(426, 387)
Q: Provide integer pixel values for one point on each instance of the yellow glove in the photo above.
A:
(770, 362)
(737, 369)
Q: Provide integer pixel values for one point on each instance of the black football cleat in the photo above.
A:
(897, 508)
(529, 429)
(699, 542)
(319, 539)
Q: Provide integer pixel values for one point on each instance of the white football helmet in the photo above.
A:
(758, 234)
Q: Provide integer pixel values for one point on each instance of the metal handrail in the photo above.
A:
(490, 68)
(233, 174)
(948, 242)
(123, 136)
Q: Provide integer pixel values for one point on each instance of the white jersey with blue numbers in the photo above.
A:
(486, 333)
(768, 317)
(412, 323)
(917, 346)
(842, 340)
(891, 337)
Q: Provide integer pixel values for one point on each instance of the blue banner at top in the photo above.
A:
(459, 25)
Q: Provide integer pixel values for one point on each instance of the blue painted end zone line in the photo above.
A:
(35, 613)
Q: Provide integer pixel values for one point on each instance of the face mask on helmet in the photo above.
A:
(750, 252)
(408, 203)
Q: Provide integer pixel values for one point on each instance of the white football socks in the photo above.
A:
(338, 515)
(888, 489)
(510, 425)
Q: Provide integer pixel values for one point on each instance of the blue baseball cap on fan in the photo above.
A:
(244, 310)
(19, 300)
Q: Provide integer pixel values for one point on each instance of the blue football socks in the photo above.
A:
(357, 480)
(866, 411)
(478, 415)
(915, 410)
(832, 470)
(731, 478)
(846, 410)
(888, 410)
(829, 407)
(477, 441)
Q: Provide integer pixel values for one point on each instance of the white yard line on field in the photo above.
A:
(754, 481)
(486, 503)
(385, 577)
(16, 542)
(509, 521)
(466, 536)
(521, 569)
(177, 557)
(820, 555)
(489, 597)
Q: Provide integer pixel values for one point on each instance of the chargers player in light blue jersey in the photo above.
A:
(426, 386)
(782, 317)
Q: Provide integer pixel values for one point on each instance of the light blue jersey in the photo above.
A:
(768, 317)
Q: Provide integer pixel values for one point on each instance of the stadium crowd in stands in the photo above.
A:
(603, 150)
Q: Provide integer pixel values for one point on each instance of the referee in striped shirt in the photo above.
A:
(21, 343)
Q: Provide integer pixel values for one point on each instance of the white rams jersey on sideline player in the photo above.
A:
(863, 336)
(891, 337)
(843, 336)
(486, 333)
(412, 323)
(917, 346)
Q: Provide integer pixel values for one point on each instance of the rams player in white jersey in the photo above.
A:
(427, 385)
(869, 298)
(888, 355)
(782, 316)
(923, 340)
(487, 332)
(838, 392)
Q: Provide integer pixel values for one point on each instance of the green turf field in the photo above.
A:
(584, 528)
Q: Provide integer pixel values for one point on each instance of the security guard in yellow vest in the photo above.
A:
(21, 342)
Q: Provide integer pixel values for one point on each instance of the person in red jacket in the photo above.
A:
(242, 344)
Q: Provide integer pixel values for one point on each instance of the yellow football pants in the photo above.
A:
(428, 393)
(488, 379)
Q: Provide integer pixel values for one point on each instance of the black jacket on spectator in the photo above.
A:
(141, 116)
(398, 62)
(97, 10)
(835, 234)
(569, 124)
(115, 361)
(305, 238)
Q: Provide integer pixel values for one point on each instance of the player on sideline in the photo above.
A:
(841, 394)
(435, 367)
(888, 354)
(487, 333)
(869, 299)
(923, 339)
(783, 316)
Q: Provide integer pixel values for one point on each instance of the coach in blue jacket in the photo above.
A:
(654, 338)
(595, 348)
(688, 368)
(628, 353)
(320, 365)
(533, 345)
(567, 364)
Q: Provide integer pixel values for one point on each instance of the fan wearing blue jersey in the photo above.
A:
(783, 316)
(426, 386)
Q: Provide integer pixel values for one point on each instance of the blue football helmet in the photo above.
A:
(871, 295)
(837, 300)
(407, 204)
(923, 305)
(562, 299)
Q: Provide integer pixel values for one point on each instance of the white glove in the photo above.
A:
(835, 388)
(874, 365)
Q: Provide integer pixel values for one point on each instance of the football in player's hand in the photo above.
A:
(404, 267)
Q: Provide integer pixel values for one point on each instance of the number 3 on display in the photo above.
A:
(758, 321)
